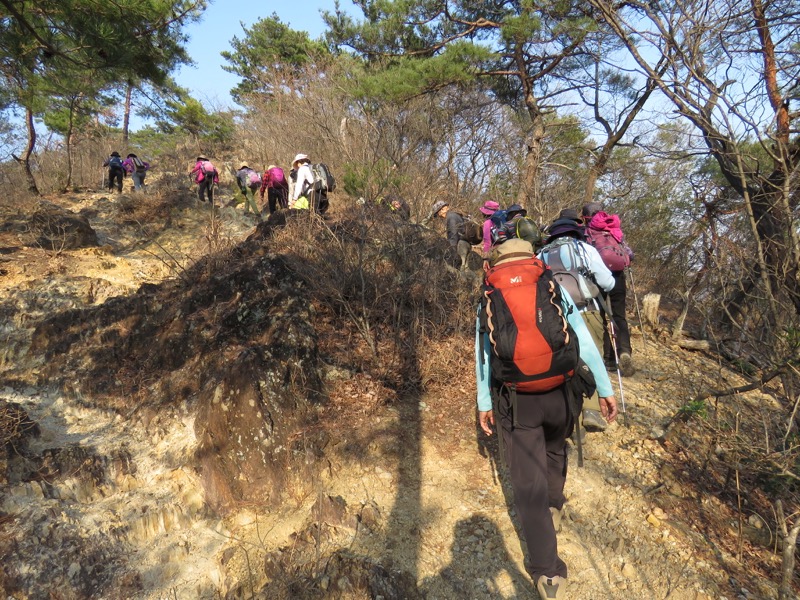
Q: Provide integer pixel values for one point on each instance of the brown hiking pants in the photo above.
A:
(536, 455)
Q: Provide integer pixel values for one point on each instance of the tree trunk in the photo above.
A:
(126, 118)
(528, 194)
(773, 226)
(26, 160)
(68, 140)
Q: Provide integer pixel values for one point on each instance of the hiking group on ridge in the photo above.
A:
(306, 187)
(550, 325)
(118, 169)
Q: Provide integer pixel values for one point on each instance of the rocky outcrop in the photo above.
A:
(232, 342)
(55, 228)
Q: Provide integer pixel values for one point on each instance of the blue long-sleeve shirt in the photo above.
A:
(588, 351)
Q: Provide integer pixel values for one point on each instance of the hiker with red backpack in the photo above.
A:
(206, 175)
(578, 268)
(275, 185)
(535, 360)
(249, 181)
(604, 232)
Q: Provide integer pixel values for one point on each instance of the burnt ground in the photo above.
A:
(206, 408)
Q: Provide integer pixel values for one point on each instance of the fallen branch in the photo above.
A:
(693, 344)
(763, 380)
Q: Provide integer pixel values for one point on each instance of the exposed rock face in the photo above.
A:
(232, 343)
(55, 228)
(295, 571)
(242, 456)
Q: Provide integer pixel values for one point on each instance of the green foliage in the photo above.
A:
(190, 116)
(407, 77)
(74, 111)
(370, 181)
(51, 38)
(471, 40)
(269, 46)
(693, 408)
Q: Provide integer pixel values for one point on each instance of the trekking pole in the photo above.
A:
(636, 302)
(612, 334)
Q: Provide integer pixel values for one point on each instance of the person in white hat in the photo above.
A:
(303, 183)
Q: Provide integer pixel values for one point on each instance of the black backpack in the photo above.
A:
(470, 231)
(526, 229)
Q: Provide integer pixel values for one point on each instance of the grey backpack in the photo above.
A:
(570, 268)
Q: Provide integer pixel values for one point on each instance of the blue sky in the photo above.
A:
(221, 22)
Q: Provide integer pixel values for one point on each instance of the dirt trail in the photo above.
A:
(438, 509)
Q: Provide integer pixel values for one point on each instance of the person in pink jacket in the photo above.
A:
(487, 210)
(206, 175)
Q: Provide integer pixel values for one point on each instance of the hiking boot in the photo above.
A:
(578, 431)
(552, 588)
(557, 515)
(593, 421)
(626, 365)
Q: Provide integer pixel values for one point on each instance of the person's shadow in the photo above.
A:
(478, 560)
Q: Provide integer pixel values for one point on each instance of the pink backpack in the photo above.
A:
(277, 177)
(604, 232)
(255, 178)
(208, 168)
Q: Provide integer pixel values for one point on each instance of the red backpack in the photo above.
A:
(533, 347)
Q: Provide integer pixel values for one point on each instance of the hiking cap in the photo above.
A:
(592, 209)
(244, 166)
(115, 153)
(562, 227)
(516, 209)
(269, 168)
(199, 158)
(510, 250)
(569, 213)
(299, 158)
(437, 206)
(131, 155)
(489, 208)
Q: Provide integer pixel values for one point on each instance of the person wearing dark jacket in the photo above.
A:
(116, 170)
(454, 225)
(597, 220)
(249, 181)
